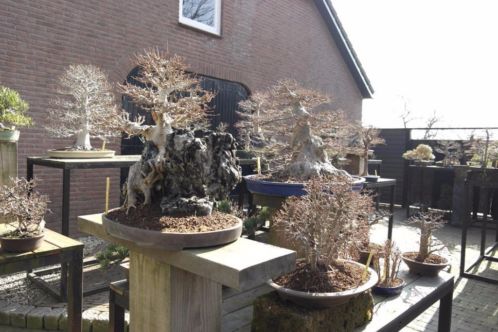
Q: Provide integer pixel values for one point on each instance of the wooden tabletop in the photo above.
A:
(419, 291)
(242, 264)
(53, 242)
(116, 161)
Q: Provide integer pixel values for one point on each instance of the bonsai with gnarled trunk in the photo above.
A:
(292, 134)
(364, 139)
(84, 107)
(185, 165)
(427, 222)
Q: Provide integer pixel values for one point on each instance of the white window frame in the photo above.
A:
(216, 29)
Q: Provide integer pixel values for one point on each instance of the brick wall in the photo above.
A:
(262, 41)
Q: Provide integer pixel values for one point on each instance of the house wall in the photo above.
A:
(262, 41)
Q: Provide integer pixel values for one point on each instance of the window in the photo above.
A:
(204, 15)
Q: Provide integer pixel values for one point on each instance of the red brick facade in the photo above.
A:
(262, 41)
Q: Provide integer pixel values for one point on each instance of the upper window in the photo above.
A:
(202, 14)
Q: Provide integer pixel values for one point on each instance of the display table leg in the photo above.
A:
(165, 298)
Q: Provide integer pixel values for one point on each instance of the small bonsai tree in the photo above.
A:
(388, 266)
(427, 222)
(324, 224)
(364, 138)
(421, 152)
(284, 125)
(84, 107)
(452, 152)
(12, 110)
(22, 208)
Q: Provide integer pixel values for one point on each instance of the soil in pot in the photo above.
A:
(326, 280)
(151, 218)
(15, 242)
(429, 267)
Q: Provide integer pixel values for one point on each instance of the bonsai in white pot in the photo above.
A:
(84, 107)
(12, 114)
(324, 225)
(22, 209)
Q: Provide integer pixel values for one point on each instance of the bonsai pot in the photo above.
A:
(80, 154)
(372, 178)
(9, 244)
(172, 241)
(389, 291)
(9, 135)
(422, 268)
(423, 162)
(325, 300)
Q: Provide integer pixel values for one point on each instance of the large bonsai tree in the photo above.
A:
(84, 107)
(290, 130)
(190, 166)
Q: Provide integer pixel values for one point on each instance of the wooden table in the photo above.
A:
(182, 290)
(69, 164)
(55, 249)
(393, 313)
(385, 183)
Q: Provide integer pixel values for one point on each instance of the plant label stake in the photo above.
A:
(107, 187)
(103, 145)
(258, 165)
(370, 255)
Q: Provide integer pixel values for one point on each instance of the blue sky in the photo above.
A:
(439, 55)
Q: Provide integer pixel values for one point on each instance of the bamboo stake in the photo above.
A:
(107, 189)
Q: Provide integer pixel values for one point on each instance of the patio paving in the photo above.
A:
(475, 306)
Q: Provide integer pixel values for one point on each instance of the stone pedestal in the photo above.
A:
(271, 313)
(182, 290)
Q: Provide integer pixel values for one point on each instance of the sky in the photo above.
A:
(428, 56)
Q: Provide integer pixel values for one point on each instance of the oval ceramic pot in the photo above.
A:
(372, 178)
(172, 241)
(284, 189)
(423, 269)
(80, 154)
(9, 135)
(21, 244)
(389, 291)
(325, 300)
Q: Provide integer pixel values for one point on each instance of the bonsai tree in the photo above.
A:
(22, 208)
(84, 107)
(324, 226)
(364, 139)
(452, 152)
(427, 222)
(388, 266)
(421, 152)
(12, 110)
(284, 125)
(184, 167)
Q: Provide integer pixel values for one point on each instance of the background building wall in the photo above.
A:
(262, 41)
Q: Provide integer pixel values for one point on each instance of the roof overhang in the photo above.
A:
(345, 47)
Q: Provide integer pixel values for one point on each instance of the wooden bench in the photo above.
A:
(391, 314)
(56, 249)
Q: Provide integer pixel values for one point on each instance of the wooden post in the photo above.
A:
(8, 161)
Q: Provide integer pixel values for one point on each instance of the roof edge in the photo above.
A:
(345, 47)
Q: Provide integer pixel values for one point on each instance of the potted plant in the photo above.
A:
(84, 107)
(22, 209)
(387, 267)
(284, 126)
(323, 225)
(421, 155)
(425, 261)
(12, 114)
(364, 139)
(185, 169)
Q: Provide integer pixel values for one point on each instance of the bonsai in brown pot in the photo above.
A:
(425, 261)
(387, 267)
(185, 169)
(323, 226)
(22, 209)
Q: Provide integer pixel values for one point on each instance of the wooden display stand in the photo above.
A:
(182, 291)
(8, 161)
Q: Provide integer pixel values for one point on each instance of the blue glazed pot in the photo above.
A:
(389, 291)
(284, 189)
